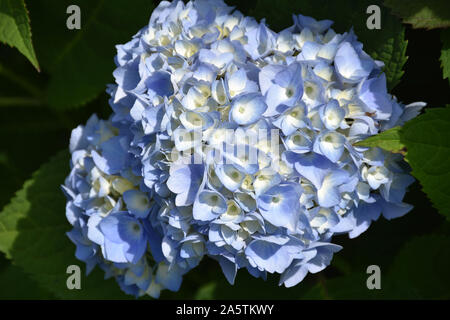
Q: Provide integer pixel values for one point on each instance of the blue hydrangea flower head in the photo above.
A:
(232, 142)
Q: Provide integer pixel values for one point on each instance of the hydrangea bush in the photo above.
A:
(235, 142)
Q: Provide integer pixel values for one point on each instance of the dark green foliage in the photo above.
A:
(427, 140)
(15, 28)
(81, 61)
(445, 53)
(427, 14)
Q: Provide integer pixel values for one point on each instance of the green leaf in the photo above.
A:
(81, 62)
(445, 53)
(427, 139)
(19, 285)
(427, 14)
(32, 234)
(206, 292)
(391, 50)
(387, 44)
(15, 28)
(420, 269)
(388, 140)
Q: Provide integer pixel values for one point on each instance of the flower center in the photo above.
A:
(214, 199)
(136, 228)
(297, 139)
(235, 175)
(289, 92)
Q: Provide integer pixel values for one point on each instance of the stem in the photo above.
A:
(322, 283)
(342, 265)
(21, 81)
(19, 101)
